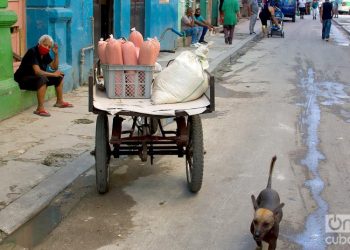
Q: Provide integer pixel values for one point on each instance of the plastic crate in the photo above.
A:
(126, 81)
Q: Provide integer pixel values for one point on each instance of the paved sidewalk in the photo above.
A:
(41, 156)
(344, 22)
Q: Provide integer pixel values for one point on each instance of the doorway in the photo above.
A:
(103, 19)
(137, 15)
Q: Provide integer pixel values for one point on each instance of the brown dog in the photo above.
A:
(268, 214)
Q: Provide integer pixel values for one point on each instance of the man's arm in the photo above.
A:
(54, 64)
(188, 21)
(199, 23)
(40, 72)
(204, 23)
(209, 25)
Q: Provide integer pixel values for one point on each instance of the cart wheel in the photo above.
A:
(102, 153)
(194, 154)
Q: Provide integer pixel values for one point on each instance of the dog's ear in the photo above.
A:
(255, 204)
(278, 208)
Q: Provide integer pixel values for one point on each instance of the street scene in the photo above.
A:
(69, 181)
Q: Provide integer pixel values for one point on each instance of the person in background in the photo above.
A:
(253, 9)
(314, 9)
(302, 8)
(200, 21)
(326, 15)
(264, 16)
(335, 8)
(230, 8)
(33, 73)
(189, 27)
(268, 12)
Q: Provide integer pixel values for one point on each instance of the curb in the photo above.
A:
(340, 26)
(231, 52)
(27, 206)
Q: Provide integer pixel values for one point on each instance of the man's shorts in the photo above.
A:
(33, 83)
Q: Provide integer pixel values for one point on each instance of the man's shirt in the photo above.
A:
(32, 57)
(302, 3)
(254, 5)
(327, 10)
(185, 22)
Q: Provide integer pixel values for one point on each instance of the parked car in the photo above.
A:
(288, 8)
(344, 7)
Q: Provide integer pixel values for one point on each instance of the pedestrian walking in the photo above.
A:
(302, 8)
(230, 8)
(253, 9)
(335, 8)
(314, 9)
(326, 15)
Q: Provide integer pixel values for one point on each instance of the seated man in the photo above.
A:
(200, 21)
(32, 74)
(188, 26)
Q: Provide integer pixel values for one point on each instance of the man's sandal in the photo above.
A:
(42, 112)
(63, 105)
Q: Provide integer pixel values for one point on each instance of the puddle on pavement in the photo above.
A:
(34, 232)
(83, 121)
(81, 199)
(316, 94)
(339, 37)
(38, 228)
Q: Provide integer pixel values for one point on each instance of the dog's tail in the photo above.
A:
(271, 170)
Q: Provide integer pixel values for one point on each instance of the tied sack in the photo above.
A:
(182, 81)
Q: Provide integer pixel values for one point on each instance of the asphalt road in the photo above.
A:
(286, 97)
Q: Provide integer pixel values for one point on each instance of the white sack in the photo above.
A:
(182, 81)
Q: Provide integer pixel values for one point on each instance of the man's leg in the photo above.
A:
(323, 28)
(190, 32)
(252, 23)
(328, 28)
(205, 29)
(226, 33)
(199, 31)
(41, 97)
(232, 29)
(59, 92)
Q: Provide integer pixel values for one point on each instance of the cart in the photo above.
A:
(146, 135)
